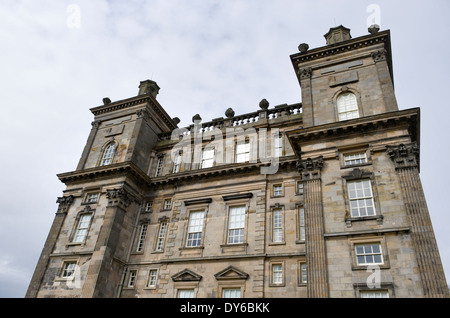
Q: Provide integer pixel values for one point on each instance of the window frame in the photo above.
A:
(353, 242)
(161, 234)
(229, 220)
(108, 155)
(64, 269)
(178, 160)
(275, 274)
(92, 197)
(159, 166)
(141, 238)
(132, 278)
(166, 206)
(277, 193)
(280, 226)
(302, 270)
(362, 198)
(203, 160)
(79, 220)
(199, 241)
(149, 285)
(340, 111)
(301, 226)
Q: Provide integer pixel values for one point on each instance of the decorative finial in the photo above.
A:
(303, 47)
(264, 104)
(229, 112)
(374, 28)
(106, 101)
(176, 120)
(196, 118)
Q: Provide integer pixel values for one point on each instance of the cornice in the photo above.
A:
(344, 46)
(217, 171)
(133, 101)
(382, 37)
(119, 169)
(363, 124)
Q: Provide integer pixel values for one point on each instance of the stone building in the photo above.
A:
(317, 199)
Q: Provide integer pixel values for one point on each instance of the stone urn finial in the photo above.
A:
(176, 120)
(264, 104)
(229, 112)
(196, 118)
(374, 28)
(303, 47)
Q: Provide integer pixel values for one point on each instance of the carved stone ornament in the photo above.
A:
(106, 101)
(143, 113)
(176, 120)
(64, 203)
(303, 47)
(229, 113)
(379, 55)
(404, 156)
(118, 197)
(196, 118)
(374, 28)
(264, 104)
(304, 73)
(310, 168)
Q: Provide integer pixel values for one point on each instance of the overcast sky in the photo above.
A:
(60, 58)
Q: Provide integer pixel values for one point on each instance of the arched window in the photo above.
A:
(347, 106)
(108, 154)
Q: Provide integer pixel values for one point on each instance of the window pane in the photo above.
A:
(186, 293)
(231, 293)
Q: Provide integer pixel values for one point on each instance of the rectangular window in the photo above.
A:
(148, 206)
(277, 190)
(161, 236)
(132, 278)
(208, 158)
(243, 152)
(374, 294)
(159, 166)
(82, 228)
(300, 188)
(167, 204)
(278, 146)
(195, 229)
(303, 273)
(92, 197)
(354, 159)
(140, 245)
(152, 277)
(277, 225)
(368, 254)
(231, 293)
(68, 269)
(301, 223)
(236, 225)
(277, 273)
(185, 293)
(361, 199)
(177, 163)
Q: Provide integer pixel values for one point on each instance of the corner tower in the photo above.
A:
(347, 78)
(359, 159)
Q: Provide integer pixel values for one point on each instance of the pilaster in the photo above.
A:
(60, 216)
(102, 276)
(405, 159)
(317, 283)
